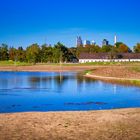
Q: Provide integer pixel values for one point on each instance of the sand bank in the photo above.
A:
(90, 125)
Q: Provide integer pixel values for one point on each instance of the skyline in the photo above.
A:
(26, 22)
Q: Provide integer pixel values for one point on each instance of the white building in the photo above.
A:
(105, 57)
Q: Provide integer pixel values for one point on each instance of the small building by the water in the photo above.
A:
(108, 57)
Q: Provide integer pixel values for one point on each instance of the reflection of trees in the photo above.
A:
(39, 79)
(80, 78)
(36, 81)
(90, 80)
(59, 80)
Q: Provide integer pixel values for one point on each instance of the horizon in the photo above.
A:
(27, 22)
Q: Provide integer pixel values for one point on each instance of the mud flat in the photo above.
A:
(90, 125)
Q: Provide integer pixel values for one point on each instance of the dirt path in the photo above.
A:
(52, 68)
(109, 78)
(121, 124)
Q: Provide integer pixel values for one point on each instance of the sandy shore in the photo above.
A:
(109, 78)
(121, 72)
(123, 124)
(47, 68)
(56, 68)
(119, 75)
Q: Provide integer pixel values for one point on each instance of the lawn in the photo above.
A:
(13, 63)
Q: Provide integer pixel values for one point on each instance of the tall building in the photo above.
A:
(87, 42)
(79, 41)
(115, 40)
(93, 42)
(105, 42)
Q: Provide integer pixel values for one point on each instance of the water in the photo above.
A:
(49, 91)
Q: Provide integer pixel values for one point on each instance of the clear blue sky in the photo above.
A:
(23, 22)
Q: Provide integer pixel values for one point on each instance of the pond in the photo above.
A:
(68, 91)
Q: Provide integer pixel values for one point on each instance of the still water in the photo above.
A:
(51, 91)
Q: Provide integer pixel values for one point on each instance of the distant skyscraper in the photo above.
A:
(87, 42)
(79, 42)
(93, 42)
(115, 40)
(105, 42)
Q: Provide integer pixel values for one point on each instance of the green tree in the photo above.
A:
(106, 48)
(46, 53)
(61, 52)
(95, 49)
(21, 54)
(12, 54)
(4, 52)
(32, 53)
(137, 48)
(122, 48)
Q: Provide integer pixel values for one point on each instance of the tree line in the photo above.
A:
(59, 52)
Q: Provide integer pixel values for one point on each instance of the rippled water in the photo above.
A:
(49, 91)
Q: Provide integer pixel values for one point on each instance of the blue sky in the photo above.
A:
(23, 22)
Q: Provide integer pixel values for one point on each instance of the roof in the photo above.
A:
(129, 55)
(106, 56)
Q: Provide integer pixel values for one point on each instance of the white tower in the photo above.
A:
(115, 40)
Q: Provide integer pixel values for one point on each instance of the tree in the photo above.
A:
(46, 53)
(137, 48)
(107, 48)
(4, 52)
(122, 48)
(32, 53)
(118, 44)
(62, 52)
(12, 54)
(95, 49)
(21, 54)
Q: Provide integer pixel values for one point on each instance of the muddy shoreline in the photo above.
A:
(98, 125)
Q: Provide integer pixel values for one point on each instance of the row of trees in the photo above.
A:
(35, 53)
(44, 53)
(119, 47)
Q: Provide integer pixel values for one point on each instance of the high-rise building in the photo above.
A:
(79, 41)
(87, 42)
(115, 40)
(105, 42)
(93, 42)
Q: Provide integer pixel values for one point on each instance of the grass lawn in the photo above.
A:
(13, 63)
(93, 63)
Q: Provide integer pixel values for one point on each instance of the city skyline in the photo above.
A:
(26, 22)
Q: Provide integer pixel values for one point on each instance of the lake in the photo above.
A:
(68, 91)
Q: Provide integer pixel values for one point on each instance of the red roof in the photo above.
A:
(106, 56)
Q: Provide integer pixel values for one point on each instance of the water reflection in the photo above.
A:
(50, 91)
(59, 79)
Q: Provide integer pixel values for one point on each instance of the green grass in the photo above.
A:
(102, 64)
(88, 71)
(91, 64)
(13, 63)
